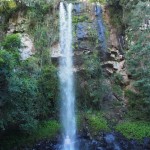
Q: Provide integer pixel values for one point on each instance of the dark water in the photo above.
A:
(109, 141)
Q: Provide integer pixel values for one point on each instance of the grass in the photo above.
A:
(46, 130)
(134, 130)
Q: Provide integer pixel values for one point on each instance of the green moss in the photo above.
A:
(80, 18)
(134, 130)
(100, 1)
(47, 129)
(97, 123)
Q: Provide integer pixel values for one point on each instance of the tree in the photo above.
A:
(138, 57)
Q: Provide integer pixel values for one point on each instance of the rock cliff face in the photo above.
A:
(116, 60)
(93, 32)
(91, 24)
(18, 23)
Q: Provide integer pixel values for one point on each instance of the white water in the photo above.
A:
(66, 77)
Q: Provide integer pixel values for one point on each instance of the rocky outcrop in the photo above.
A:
(115, 58)
(55, 52)
(84, 30)
(17, 23)
(27, 47)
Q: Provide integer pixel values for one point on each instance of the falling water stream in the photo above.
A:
(66, 77)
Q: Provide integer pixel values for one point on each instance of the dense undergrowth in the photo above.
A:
(45, 130)
(134, 130)
(28, 88)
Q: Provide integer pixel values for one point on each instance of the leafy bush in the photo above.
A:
(48, 91)
(12, 42)
(80, 18)
(117, 78)
(138, 57)
(7, 6)
(47, 129)
(27, 92)
(97, 123)
(134, 130)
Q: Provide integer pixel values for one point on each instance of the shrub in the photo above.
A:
(12, 42)
(97, 123)
(7, 6)
(134, 130)
(81, 18)
(117, 78)
(47, 129)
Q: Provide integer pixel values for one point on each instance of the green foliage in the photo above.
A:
(47, 129)
(97, 86)
(117, 78)
(91, 121)
(28, 89)
(124, 8)
(27, 92)
(22, 90)
(100, 1)
(7, 6)
(116, 17)
(138, 57)
(9, 53)
(12, 42)
(81, 18)
(117, 89)
(134, 130)
(133, 98)
(135, 15)
(44, 29)
(43, 5)
(48, 90)
(96, 123)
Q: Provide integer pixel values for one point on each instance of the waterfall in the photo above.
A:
(66, 77)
